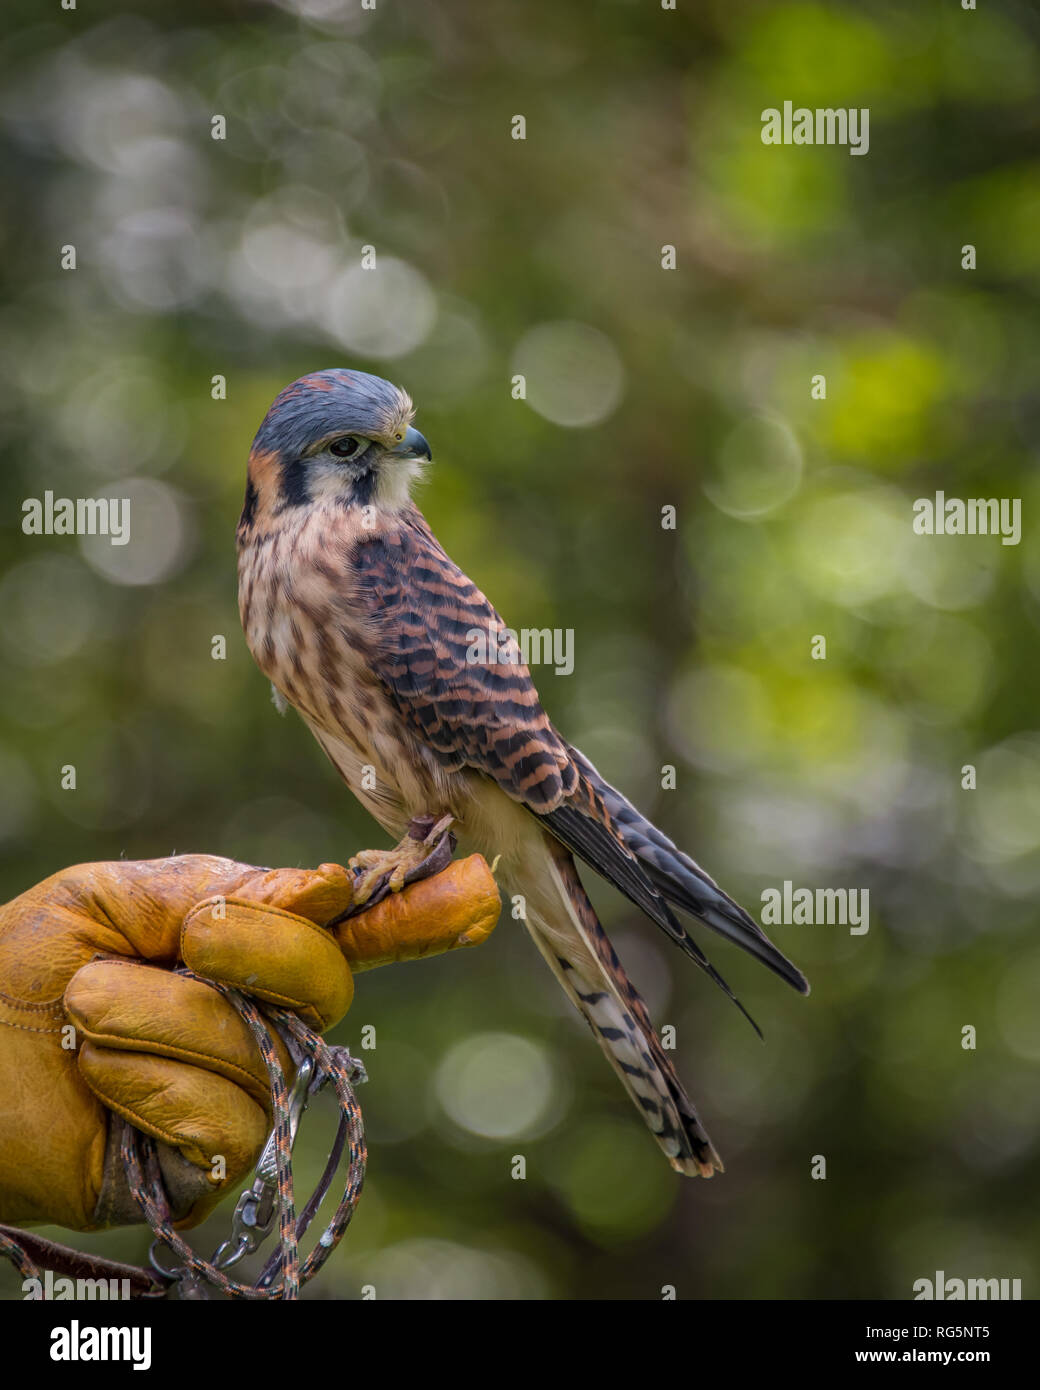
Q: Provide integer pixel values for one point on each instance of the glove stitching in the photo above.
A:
(25, 1028)
(52, 1005)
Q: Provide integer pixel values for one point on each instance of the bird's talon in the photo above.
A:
(375, 868)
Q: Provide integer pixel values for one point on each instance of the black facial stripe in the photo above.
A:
(293, 491)
(249, 507)
(364, 487)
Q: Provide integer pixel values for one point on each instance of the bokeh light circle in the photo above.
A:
(573, 373)
(496, 1085)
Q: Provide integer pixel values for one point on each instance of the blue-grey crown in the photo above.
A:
(323, 403)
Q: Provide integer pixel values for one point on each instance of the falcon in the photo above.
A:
(361, 621)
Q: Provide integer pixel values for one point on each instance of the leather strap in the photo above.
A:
(75, 1265)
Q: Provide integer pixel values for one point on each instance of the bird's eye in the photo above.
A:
(346, 447)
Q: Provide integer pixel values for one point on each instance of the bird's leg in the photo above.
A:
(415, 857)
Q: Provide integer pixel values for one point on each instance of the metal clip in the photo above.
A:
(257, 1207)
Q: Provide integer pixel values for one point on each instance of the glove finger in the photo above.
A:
(456, 908)
(318, 894)
(125, 1006)
(211, 1120)
(271, 954)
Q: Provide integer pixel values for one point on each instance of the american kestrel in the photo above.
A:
(362, 622)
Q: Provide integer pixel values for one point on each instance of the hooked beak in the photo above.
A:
(412, 446)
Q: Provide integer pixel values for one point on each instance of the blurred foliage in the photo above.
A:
(647, 388)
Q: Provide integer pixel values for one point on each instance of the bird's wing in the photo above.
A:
(423, 615)
(682, 881)
(426, 621)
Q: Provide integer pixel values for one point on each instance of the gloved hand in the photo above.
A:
(93, 1020)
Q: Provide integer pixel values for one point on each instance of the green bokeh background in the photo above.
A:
(687, 388)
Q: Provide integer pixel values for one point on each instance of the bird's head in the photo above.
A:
(336, 436)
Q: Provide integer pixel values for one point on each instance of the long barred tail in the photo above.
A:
(566, 930)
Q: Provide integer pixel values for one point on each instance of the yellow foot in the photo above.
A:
(400, 863)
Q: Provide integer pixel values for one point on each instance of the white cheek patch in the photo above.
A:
(330, 482)
(326, 482)
(394, 479)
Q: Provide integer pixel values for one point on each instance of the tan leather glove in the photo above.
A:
(93, 1020)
